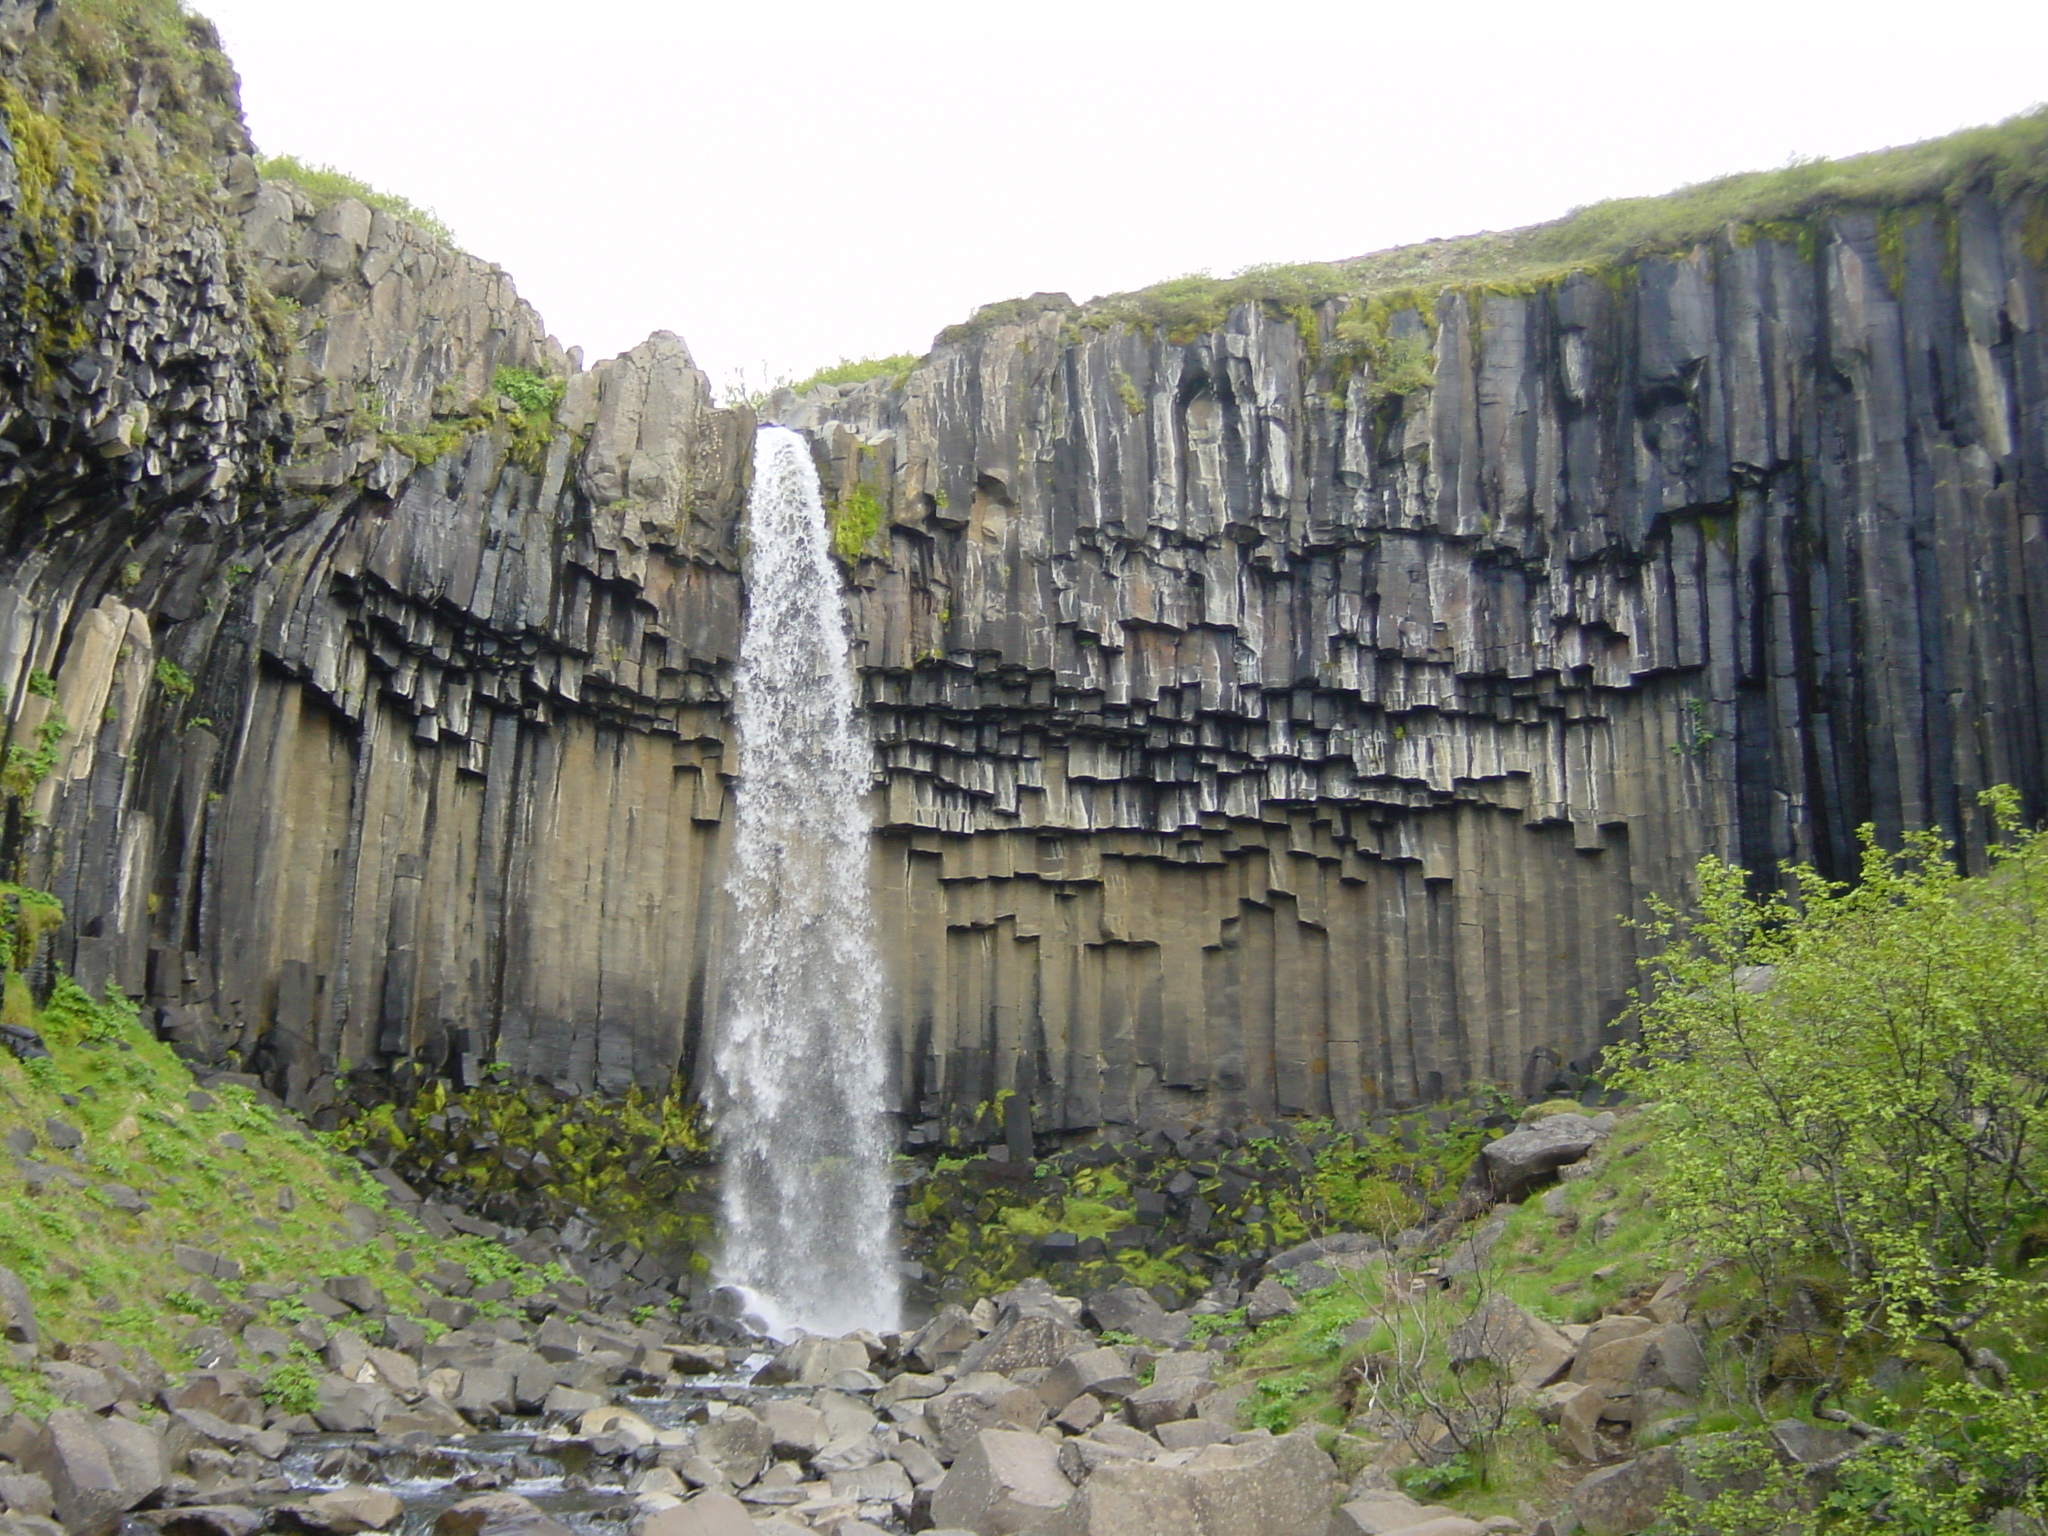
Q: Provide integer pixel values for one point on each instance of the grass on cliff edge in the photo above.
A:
(325, 185)
(224, 1173)
(2008, 159)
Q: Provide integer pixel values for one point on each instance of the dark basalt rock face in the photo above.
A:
(1255, 735)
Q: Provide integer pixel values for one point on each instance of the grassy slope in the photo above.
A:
(98, 1273)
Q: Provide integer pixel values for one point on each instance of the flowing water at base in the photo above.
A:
(800, 1065)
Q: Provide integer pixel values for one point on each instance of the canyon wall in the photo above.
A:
(1262, 727)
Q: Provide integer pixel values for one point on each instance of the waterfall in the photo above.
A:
(801, 1061)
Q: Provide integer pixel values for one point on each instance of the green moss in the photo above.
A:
(855, 518)
(1127, 392)
(635, 1164)
(325, 185)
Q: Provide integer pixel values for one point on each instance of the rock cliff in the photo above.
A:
(1275, 707)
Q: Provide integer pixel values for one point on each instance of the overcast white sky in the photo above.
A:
(788, 184)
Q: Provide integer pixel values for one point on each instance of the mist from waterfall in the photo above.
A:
(800, 1064)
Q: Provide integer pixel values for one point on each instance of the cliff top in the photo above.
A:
(2008, 158)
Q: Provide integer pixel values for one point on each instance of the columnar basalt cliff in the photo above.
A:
(1274, 713)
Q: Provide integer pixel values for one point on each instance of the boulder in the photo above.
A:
(879, 1482)
(347, 1511)
(794, 1429)
(943, 1340)
(17, 1313)
(97, 1469)
(499, 1514)
(1274, 1487)
(1126, 1309)
(1382, 1514)
(706, 1514)
(1269, 1299)
(1103, 1372)
(1805, 1444)
(1522, 1346)
(1165, 1401)
(1025, 1341)
(1621, 1500)
(737, 1444)
(812, 1362)
(1665, 1355)
(1002, 1482)
(1521, 1159)
(23, 1493)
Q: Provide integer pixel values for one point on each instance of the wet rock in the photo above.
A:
(1002, 1482)
(346, 1511)
(205, 1520)
(497, 1514)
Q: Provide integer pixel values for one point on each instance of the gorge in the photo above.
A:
(1278, 689)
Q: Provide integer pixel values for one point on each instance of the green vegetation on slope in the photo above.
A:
(1853, 1086)
(635, 1167)
(122, 1166)
(324, 184)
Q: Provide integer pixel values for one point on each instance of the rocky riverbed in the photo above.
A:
(1029, 1413)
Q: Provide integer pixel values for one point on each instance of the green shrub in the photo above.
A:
(1882, 1101)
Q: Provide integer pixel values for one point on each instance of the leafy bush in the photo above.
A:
(1853, 1093)
(1878, 1096)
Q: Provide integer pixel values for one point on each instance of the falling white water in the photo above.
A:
(800, 1062)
